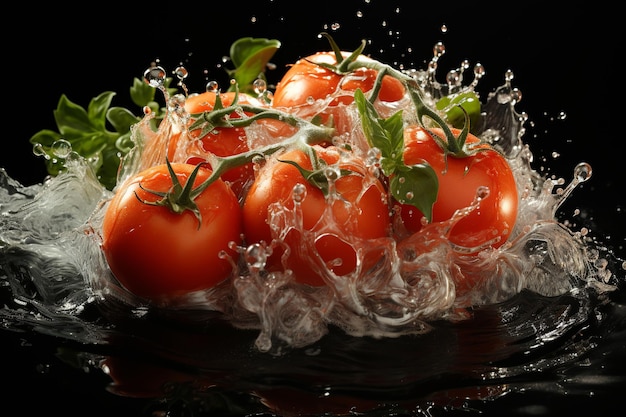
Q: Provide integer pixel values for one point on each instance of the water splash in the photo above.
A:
(55, 270)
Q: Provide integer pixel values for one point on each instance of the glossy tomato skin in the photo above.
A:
(459, 179)
(305, 81)
(158, 254)
(275, 183)
(224, 141)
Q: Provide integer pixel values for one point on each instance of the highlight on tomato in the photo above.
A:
(165, 235)
(476, 169)
(332, 76)
(360, 212)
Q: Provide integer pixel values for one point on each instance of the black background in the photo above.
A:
(564, 61)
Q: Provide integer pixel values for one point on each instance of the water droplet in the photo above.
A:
(298, 193)
(39, 150)
(61, 148)
(212, 87)
(438, 50)
(482, 192)
(260, 86)
(256, 256)
(444, 28)
(155, 76)
(181, 73)
(410, 195)
(582, 172)
(332, 173)
(508, 76)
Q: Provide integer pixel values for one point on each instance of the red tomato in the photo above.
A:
(156, 253)
(224, 141)
(306, 81)
(459, 179)
(366, 216)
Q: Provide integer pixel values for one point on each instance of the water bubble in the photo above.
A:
(181, 73)
(582, 172)
(482, 192)
(155, 76)
(479, 72)
(61, 148)
(438, 50)
(260, 86)
(508, 76)
(454, 78)
(255, 256)
(298, 193)
(332, 173)
(39, 150)
(212, 87)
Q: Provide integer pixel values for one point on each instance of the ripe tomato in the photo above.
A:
(459, 179)
(361, 212)
(307, 81)
(156, 253)
(223, 141)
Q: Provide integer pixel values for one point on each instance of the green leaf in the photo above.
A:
(121, 118)
(386, 135)
(86, 131)
(250, 57)
(141, 93)
(416, 185)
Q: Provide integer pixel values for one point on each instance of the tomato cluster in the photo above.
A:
(270, 171)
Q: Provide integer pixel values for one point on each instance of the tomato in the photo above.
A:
(223, 141)
(365, 216)
(306, 81)
(156, 253)
(459, 179)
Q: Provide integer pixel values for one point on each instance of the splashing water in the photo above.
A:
(54, 271)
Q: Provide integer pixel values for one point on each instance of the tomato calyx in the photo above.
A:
(219, 116)
(344, 65)
(451, 144)
(179, 198)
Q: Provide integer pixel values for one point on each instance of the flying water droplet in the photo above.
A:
(212, 87)
(582, 172)
(155, 76)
